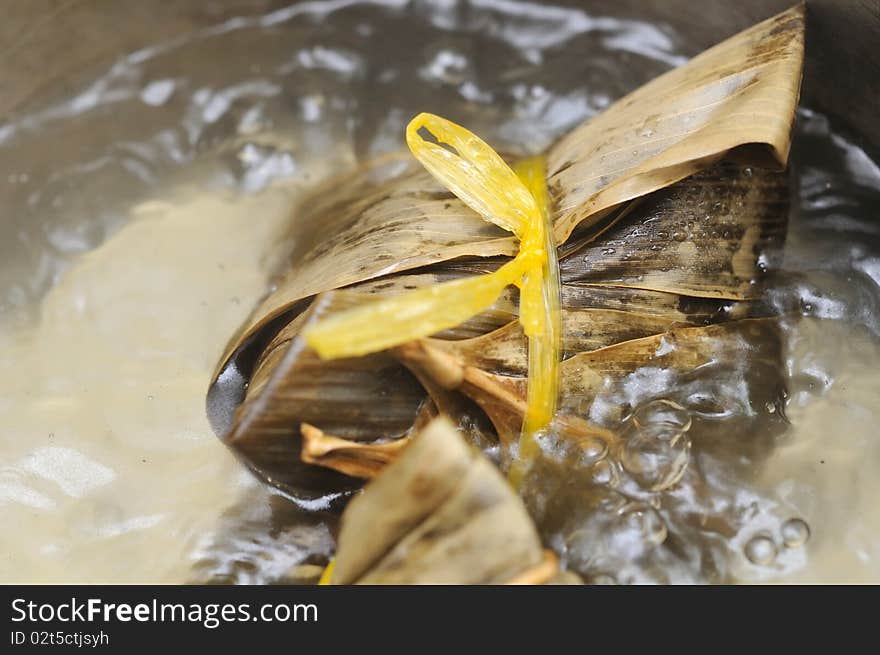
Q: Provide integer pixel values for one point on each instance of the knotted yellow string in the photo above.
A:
(516, 201)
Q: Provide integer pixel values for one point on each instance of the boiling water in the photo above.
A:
(145, 214)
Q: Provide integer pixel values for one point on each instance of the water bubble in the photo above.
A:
(605, 473)
(656, 449)
(656, 456)
(662, 412)
(761, 550)
(645, 522)
(593, 449)
(607, 251)
(795, 533)
(703, 403)
(679, 236)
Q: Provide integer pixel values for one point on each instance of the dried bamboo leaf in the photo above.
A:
(671, 358)
(504, 351)
(359, 460)
(705, 236)
(744, 91)
(752, 217)
(356, 399)
(303, 574)
(439, 514)
(683, 348)
(397, 502)
(467, 417)
(357, 230)
(564, 577)
(595, 316)
(295, 386)
(382, 219)
(543, 573)
(722, 200)
(388, 228)
(481, 535)
(722, 196)
(501, 397)
(673, 307)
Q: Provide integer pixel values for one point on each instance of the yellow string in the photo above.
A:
(516, 201)
(327, 573)
(540, 317)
